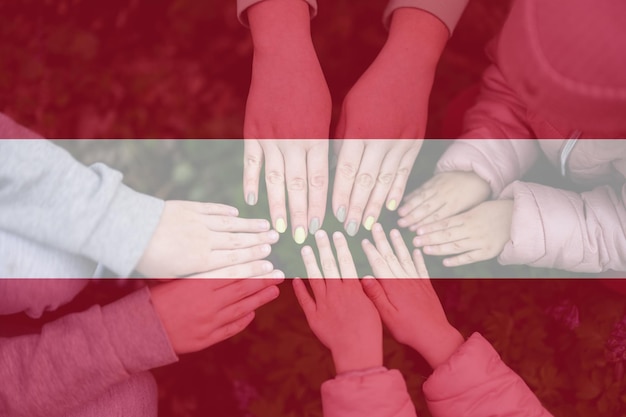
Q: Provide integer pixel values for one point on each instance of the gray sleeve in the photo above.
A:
(448, 11)
(49, 197)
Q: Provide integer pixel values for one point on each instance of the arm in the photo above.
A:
(49, 197)
(79, 357)
(560, 229)
(475, 382)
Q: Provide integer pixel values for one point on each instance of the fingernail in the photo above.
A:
(314, 226)
(266, 249)
(273, 236)
(251, 199)
(264, 225)
(281, 226)
(267, 266)
(352, 228)
(369, 222)
(341, 214)
(417, 242)
(300, 235)
(278, 274)
(392, 205)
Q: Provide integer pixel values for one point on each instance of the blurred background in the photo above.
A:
(180, 69)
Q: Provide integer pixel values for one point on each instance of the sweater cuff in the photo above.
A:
(243, 5)
(122, 235)
(137, 334)
(449, 12)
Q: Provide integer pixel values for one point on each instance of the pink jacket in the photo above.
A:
(473, 383)
(554, 228)
(92, 363)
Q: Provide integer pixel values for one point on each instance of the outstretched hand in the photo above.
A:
(202, 237)
(339, 312)
(406, 300)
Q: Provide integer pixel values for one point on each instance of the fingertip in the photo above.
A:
(392, 205)
(251, 199)
(306, 251)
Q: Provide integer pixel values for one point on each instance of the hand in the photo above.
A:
(198, 313)
(370, 172)
(409, 305)
(444, 195)
(195, 237)
(302, 166)
(339, 313)
(477, 235)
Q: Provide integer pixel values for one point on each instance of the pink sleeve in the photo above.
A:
(378, 394)
(243, 5)
(497, 161)
(475, 383)
(561, 229)
(79, 357)
(449, 12)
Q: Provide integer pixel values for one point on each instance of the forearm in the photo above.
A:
(79, 357)
(280, 25)
(49, 197)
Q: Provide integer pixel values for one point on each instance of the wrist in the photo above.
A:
(442, 344)
(358, 360)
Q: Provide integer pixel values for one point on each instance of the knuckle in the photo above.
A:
(347, 170)
(386, 178)
(297, 184)
(232, 258)
(365, 180)
(253, 161)
(328, 265)
(380, 262)
(356, 209)
(457, 246)
(391, 258)
(275, 177)
(318, 181)
(403, 172)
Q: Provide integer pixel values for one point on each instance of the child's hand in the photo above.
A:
(477, 235)
(197, 237)
(198, 313)
(340, 314)
(408, 305)
(370, 173)
(444, 195)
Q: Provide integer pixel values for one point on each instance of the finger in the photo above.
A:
(381, 189)
(317, 166)
(231, 329)
(247, 270)
(453, 234)
(307, 303)
(252, 163)
(450, 223)
(363, 186)
(347, 168)
(244, 288)
(377, 294)
(428, 208)
(402, 175)
(225, 241)
(275, 181)
(376, 261)
(453, 248)
(249, 304)
(445, 212)
(297, 188)
(327, 258)
(235, 224)
(403, 254)
(316, 279)
(211, 208)
(344, 257)
(384, 249)
(418, 259)
(466, 258)
(224, 258)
